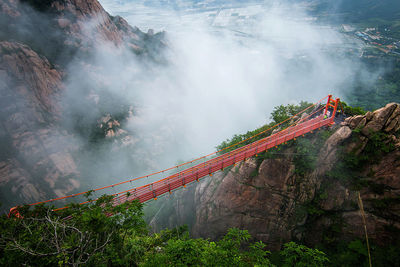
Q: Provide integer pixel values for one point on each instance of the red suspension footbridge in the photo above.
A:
(311, 118)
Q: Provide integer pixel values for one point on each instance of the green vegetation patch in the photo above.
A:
(385, 89)
(89, 235)
(278, 115)
(350, 165)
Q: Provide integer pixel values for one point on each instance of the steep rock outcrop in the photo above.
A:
(39, 41)
(260, 203)
(59, 29)
(37, 153)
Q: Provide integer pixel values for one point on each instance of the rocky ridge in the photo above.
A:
(58, 29)
(38, 41)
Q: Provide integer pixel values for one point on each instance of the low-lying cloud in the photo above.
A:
(222, 80)
(224, 71)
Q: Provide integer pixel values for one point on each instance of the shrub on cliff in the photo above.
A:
(282, 113)
(299, 255)
(352, 111)
(278, 115)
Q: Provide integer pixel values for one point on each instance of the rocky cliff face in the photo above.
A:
(38, 41)
(308, 190)
(35, 154)
(58, 29)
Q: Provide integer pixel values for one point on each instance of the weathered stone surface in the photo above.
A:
(371, 128)
(355, 121)
(328, 153)
(36, 152)
(253, 202)
(393, 123)
(34, 76)
(69, 26)
(101, 28)
(41, 154)
(381, 118)
(369, 115)
(338, 198)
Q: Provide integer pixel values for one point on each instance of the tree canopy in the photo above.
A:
(99, 234)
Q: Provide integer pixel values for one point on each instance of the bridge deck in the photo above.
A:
(181, 179)
(219, 162)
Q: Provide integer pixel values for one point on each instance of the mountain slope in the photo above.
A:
(39, 41)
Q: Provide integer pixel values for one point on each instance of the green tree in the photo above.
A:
(232, 250)
(352, 111)
(300, 255)
(81, 234)
(278, 115)
(282, 113)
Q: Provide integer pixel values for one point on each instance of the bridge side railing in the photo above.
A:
(181, 179)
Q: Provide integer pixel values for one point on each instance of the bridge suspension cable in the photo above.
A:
(190, 174)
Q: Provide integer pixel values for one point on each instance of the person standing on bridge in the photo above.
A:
(327, 114)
